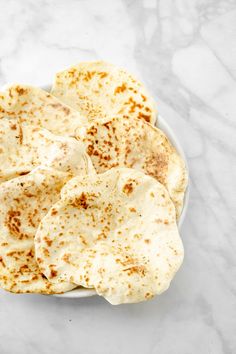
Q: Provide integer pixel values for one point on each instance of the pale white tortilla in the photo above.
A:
(39, 108)
(24, 147)
(24, 201)
(115, 232)
(101, 90)
(136, 144)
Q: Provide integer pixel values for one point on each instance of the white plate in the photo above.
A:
(81, 292)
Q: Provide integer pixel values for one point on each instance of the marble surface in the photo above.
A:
(185, 52)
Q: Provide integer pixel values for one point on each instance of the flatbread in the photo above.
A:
(37, 107)
(23, 147)
(115, 232)
(23, 203)
(99, 90)
(137, 144)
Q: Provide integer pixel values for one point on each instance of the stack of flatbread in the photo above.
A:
(90, 189)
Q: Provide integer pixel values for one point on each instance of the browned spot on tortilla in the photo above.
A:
(15, 253)
(92, 131)
(20, 137)
(66, 257)
(144, 98)
(103, 74)
(48, 241)
(101, 236)
(158, 221)
(127, 262)
(29, 195)
(128, 188)
(30, 253)
(2, 261)
(107, 125)
(24, 269)
(13, 223)
(20, 90)
(81, 201)
(53, 273)
(10, 93)
(146, 117)
(45, 252)
(133, 210)
(88, 75)
(121, 88)
(66, 110)
(13, 127)
(55, 105)
(90, 150)
(148, 296)
(23, 173)
(141, 270)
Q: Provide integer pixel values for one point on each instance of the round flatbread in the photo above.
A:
(115, 232)
(102, 90)
(137, 144)
(24, 147)
(39, 108)
(24, 201)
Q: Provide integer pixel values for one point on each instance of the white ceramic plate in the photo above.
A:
(82, 292)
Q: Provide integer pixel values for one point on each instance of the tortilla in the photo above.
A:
(115, 232)
(23, 203)
(39, 108)
(23, 147)
(101, 90)
(137, 144)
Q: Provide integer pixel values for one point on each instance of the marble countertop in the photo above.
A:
(185, 52)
